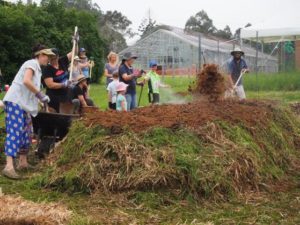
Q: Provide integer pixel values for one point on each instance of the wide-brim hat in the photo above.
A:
(129, 55)
(121, 86)
(237, 50)
(80, 79)
(46, 51)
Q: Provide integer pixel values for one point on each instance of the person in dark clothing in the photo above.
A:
(80, 98)
(56, 79)
(129, 77)
(236, 67)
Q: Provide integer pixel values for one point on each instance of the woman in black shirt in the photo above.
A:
(56, 79)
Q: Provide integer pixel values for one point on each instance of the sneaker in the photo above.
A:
(11, 174)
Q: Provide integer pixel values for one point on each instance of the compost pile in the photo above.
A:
(192, 115)
(18, 211)
(211, 83)
(206, 149)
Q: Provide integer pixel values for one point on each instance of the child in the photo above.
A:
(154, 83)
(21, 102)
(121, 100)
(112, 92)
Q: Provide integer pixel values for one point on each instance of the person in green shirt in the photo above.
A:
(154, 83)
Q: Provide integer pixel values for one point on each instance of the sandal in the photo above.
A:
(11, 174)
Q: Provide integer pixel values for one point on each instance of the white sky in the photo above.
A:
(235, 13)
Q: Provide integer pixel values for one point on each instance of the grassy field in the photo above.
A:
(285, 87)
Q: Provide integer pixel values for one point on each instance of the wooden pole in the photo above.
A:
(73, 52)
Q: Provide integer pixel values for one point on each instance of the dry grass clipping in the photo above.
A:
(16, 210)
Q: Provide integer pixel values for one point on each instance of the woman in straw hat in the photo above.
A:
(80, 96)
(21, 102)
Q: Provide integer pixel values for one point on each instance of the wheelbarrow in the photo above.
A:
(50, 128)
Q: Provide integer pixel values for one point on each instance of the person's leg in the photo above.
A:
(155, 98)
(14, 127)
(114, 106)
(240, 92)
(150, 97)
(128, 100)
(76, 106)
(133, 102)
(25, 142)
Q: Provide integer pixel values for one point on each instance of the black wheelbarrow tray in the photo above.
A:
(50, 128)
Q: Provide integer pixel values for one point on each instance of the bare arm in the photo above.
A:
(27, 81)
(82, 65)
(107, 74)
(82, 101)
(164, 85)
(69, 55)
(53, 85)
(123, 106)
(230, 80)
(127, 77)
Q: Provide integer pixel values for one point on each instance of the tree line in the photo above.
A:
(52, 23)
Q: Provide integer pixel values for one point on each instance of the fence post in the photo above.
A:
(200, 52)
(256, 63)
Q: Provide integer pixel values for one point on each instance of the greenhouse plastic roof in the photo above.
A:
(207, 42)
(272, 35)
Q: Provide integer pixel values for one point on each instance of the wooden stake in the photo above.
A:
(73, 52)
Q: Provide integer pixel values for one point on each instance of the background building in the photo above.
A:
(178, 52)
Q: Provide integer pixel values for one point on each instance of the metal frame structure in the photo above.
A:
(179, 52)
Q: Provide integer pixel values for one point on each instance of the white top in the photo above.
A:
(112, 89)
(19, 94)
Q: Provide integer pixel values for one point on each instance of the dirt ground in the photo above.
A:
(208, 105)
(191, 115)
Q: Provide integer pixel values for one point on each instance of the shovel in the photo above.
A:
(232, 93)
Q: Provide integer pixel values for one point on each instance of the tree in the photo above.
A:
(147, 25)
(117, 22)
(23, 26)
(200, 23)
(115, 27)
(225, 33)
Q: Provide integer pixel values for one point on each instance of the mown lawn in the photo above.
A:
(285, 87)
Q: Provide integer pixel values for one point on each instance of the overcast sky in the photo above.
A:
(235, 13)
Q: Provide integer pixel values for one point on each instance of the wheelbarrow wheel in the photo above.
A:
(45, 146)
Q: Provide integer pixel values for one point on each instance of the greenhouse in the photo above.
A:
(179, 53)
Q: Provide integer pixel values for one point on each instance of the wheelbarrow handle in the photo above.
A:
(45, 107)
